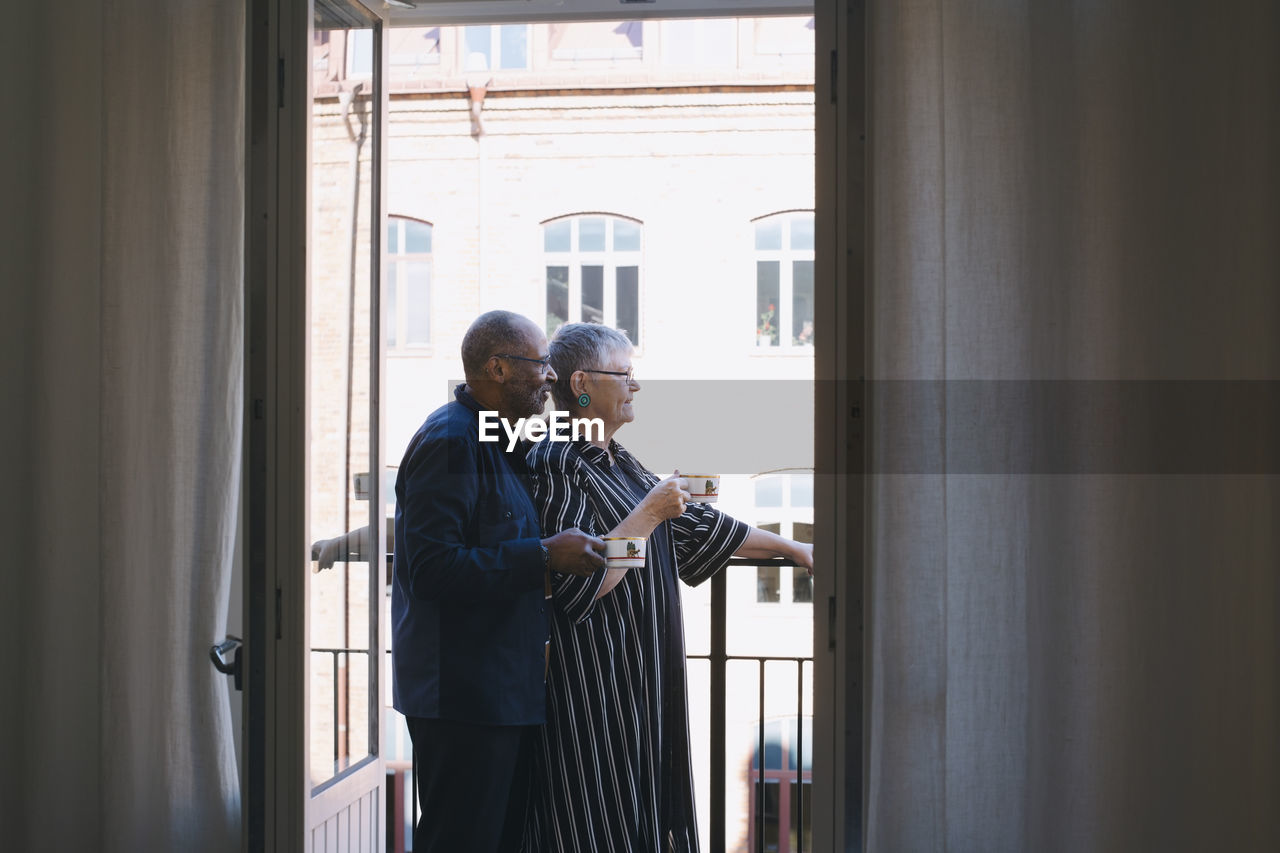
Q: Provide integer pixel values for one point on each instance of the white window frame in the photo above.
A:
(575, 259)
(352, 37)
(401, 288)
(785, 258)
(495, 48)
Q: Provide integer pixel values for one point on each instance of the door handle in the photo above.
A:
(218, 655)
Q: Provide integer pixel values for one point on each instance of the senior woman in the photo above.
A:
(614, 767)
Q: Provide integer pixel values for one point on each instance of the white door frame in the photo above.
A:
(280, 807)
(840, 442)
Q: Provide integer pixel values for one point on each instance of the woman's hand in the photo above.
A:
(803, 556)
(667, 499)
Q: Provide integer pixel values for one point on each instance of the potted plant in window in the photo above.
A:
(766, 331)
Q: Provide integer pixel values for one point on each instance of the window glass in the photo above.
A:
(807, 763)
(417, 237)
(801, 302)
(801, 586)
(557, 298)
(767, 586)
(769, 234)
(802, 232)
(359, 53)
(628, 301)
(771, 813)
(514, 46)
(626, 236)
(593, 294)
(767, 288)
(555, 236)
(418, 295)
(476, 42)
(407, 284)
(591, 234)
(802, 491)
(808, 810)
(768, 491)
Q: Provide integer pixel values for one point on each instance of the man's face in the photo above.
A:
(528, 383)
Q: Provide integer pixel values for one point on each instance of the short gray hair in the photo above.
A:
(581, 346)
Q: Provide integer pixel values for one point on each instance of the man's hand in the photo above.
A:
(575, 553)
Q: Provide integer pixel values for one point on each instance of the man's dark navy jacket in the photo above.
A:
(467, 610)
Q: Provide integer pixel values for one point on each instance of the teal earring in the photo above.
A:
(584, 400)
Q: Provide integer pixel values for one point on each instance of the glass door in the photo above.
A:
(344, 506)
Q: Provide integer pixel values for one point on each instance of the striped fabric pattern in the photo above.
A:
(613, 773)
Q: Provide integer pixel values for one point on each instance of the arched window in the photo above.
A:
(784, 280)
(407, 293)
(592, 267)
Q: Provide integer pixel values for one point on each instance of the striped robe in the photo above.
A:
(613, 771)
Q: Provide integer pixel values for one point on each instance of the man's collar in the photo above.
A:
(463, 395)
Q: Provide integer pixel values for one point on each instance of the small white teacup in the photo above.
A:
(703, 488)
(624, 552)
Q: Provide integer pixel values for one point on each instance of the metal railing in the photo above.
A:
(341, 670)
(718, 660)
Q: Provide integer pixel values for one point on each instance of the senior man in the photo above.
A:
(468, 612)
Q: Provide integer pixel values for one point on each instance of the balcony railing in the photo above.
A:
(718, 660)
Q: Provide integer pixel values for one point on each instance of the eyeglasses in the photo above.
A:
(545, 362)
(630, 373)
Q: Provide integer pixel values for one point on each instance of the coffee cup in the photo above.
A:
(624, 552)
(703, 488)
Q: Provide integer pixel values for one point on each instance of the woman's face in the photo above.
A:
(611, 392)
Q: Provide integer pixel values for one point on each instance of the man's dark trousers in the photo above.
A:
(473, 785)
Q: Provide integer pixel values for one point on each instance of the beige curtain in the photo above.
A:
(125, 278)
(1075, 210)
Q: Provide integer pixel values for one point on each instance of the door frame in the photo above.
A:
(840, 441)
(279, 803)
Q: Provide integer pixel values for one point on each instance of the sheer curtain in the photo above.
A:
(127, 273)
(1074, 212)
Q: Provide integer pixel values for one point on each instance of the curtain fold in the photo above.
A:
(170, 372)
(1073, 210)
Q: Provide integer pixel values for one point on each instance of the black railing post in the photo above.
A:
(760, 798)
(717, 663)
(800, 756)
(336, 741)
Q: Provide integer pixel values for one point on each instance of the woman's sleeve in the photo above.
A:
(562, 503)
(705, 539)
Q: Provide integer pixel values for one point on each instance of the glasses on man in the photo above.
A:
(629, 373)
(544, 362)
